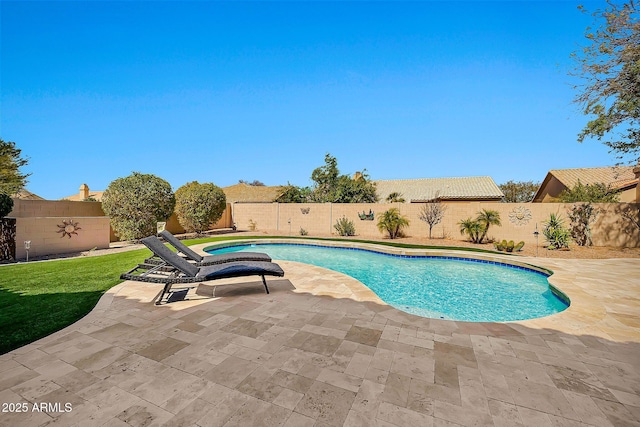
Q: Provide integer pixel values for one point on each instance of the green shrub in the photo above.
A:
(253, 226)
(345, 227)
(392, 222)
(303, 232)
(6, 205)
(136, 203)
(557, 235)
(198, 206)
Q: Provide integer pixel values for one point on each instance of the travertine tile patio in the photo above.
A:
(322, 350)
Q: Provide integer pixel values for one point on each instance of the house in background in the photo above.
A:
(245, 193)
(85, 194)
(621, 178)
(477, 189)
(25, 194)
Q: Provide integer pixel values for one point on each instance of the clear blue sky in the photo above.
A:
(222, 91)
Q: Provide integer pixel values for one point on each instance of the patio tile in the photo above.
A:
(326, 403)
(231, 372)
(163, 349)
(300, 359)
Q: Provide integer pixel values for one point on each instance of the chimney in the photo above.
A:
(84, 192)
(636, 171)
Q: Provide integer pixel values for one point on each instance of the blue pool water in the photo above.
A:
(452, 289)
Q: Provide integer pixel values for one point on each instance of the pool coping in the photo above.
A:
(497, 259)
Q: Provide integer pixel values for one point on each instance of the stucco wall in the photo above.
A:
(66, 209)
(45, 239)
(518, 219)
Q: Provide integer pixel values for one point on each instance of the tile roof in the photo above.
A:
(616, 176)
(25, 194)
(423, 189)
(243, 193)
(76, 197)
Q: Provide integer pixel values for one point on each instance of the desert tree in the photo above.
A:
(432, 212)
(519, 191)
(608, 69)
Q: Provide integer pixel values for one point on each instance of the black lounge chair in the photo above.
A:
(176, 269)
(200, 260)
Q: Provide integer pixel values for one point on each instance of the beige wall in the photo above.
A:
(67, 209)
(42, 232)
(610, 228)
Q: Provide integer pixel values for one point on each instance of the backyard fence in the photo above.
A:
(614, 225)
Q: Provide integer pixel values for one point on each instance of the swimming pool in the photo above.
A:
(435, 287)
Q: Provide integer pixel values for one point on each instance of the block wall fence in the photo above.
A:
(519, 220)
(38, 221)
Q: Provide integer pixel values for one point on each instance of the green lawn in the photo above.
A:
(39, 298)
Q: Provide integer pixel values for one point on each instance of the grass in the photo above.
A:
(40, 298)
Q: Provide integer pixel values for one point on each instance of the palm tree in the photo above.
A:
(487, 218)
(395, 197)
(392, 222)
(471, 227)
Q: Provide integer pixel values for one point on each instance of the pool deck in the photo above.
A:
(322, 350)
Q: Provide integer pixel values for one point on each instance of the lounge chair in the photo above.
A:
(176, 270)
(200, 260)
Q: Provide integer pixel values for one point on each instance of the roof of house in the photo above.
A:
(618, 177)
(423, 189)
(244, 193)
(612, 175)
(25, 194)
(97, 195)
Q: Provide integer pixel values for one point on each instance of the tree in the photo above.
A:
(594, 193)
(487, 218)
(472, 228)
(11, 179)
(330, 186)
(6, 205)
(199, 205)
(326, 180)
(293, 194)
(519, 191)
(350, 190)
(392, 222)
(136, 203)
(477, 228)
(609, 69)
(432, 213)
(395, 197)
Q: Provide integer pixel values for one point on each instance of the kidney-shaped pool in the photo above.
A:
(431, 286)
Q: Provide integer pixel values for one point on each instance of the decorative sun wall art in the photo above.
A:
(68, 228)
(520, 215)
